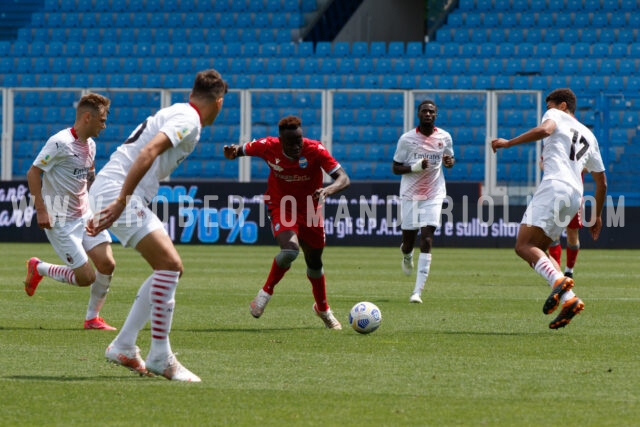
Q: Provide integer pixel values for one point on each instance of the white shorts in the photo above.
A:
(421, 213)
(136, 221)
(71, 242)
(552, 207)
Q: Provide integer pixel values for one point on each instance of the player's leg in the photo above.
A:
(66, 241)
(410, 227)
(424, 263)
(157, 248)
(100, 253)
(315, 273)
(573, 243)
(289, 249)
(427, 216)
(286, 236)
(555, 251)
(542, 223)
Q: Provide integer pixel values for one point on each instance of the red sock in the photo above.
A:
(572, 255)
(275, 275)
(319, 288)
(556, 253)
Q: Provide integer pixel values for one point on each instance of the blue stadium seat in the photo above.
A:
(341, 49)
(377, 49)
(359, 49)
(589, 66)
(414, 49)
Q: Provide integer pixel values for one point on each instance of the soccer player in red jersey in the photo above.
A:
(294, 198)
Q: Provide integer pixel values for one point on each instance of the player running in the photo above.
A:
(59, 180)
(419, 158)
(294, 199)
(569, 148)
(124, 187)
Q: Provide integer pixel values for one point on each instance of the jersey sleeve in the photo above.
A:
(595, 163)
(328, 162)
(256, 148)
(448, 145)
(401, 154)
(48, 155)
(181, 127)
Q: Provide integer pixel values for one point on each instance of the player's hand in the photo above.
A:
(104, 219)
(596, 228)
(448, 161)
(230, 151)
(419, 166)
(43, 218)
(499, 143)
(320, 195)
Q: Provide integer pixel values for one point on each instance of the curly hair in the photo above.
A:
(289, 123)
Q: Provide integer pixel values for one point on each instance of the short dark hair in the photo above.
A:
(93, 103)
(209, 85)
(563, 95)
(289, 123)
(427, 101)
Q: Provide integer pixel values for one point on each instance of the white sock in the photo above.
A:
(567, 296)
(61, 273)
(163, 290)
(424, 265)
(99, 290)
(568, 270)
(138, 316)
(545, 268)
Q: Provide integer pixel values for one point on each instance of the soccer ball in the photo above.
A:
(365, 317)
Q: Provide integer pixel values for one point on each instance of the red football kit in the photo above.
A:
(291, 184)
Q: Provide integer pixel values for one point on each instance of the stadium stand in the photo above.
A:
(592, 46)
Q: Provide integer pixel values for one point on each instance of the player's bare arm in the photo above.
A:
(600, 180)
(232, 151)
(34, 180)
(401, 169)
(535, 134)
(91, 176)
(141, 165)
(341, 181)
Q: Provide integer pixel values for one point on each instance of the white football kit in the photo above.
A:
(569, 150)
(66, 162)
(423, 193)
(181, 123)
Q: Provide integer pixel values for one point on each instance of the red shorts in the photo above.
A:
(576, 221)
(309, 230)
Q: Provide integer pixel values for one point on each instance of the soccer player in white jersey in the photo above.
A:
(122, 191)
(58, 181)
(569, 147)
(419, 158)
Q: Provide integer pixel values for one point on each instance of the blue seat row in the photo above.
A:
(533, 6)
(91, 6)
(159, 20)
(534, 36)
(157, 35)
(541, 20)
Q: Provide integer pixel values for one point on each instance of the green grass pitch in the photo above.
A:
(477, 352)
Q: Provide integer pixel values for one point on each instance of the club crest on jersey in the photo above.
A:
(182, 133)
(45, 160)
(303, 162)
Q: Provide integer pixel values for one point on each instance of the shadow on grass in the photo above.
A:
(59, 378)
(480, 333)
